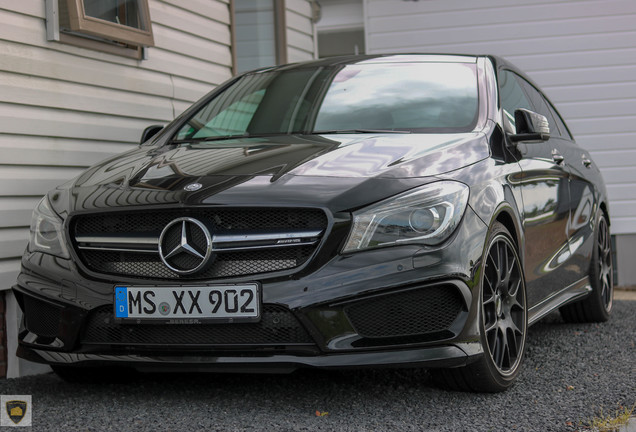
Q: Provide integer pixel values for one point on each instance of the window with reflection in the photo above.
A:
(119, 23)
(122, 12)
(410, 97)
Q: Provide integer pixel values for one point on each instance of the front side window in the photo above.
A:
(413, 97)
(543, 107)
(565, 132)
(540, 105)
(512, 97)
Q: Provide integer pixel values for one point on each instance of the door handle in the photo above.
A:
(557, 157)
(587, 163)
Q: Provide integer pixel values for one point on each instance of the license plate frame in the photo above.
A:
(187, 304)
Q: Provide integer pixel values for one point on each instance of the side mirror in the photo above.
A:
(530, 126)
(149, 132)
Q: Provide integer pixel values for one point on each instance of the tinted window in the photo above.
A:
(512, 97)
(540, 105)
(565, 133)
(545, 108)
(418, 97)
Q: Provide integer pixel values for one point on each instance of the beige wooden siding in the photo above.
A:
(255, 35)
(300, 31)
(63, 108)
(581, 52)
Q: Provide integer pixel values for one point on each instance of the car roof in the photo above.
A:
(376, 59)
(498, 62)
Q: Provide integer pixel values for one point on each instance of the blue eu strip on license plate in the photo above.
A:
(121, 302)
(227, 303)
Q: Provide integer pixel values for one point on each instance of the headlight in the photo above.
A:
(427, 215)
(46, 231)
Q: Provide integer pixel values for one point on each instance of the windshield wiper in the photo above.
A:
(229, 137)
(360, 131)
(323, 132)
(212, 138)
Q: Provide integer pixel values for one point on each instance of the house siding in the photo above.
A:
(256, 37)
(581, 52)
(300, 32)
(63, 108)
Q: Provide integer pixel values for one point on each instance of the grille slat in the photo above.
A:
(228, 223)
(278, 326)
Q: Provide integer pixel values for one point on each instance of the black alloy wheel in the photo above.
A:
(596, 307)
(604, 265)
(503, 323)
(504, 305)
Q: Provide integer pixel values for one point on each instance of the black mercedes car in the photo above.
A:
(367, 211)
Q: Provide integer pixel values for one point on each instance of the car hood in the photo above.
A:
(287, 170)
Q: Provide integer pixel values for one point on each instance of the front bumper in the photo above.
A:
(359, 310)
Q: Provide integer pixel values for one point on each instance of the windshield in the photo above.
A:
(393, 97)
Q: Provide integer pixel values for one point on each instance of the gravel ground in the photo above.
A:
(570, 372)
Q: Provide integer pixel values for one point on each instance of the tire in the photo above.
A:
(503, 320)
(597, 306)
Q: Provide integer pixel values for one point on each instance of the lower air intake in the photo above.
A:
(41, 318)
(278, 326)
(414, 312)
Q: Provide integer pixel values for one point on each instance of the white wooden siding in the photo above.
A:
(63, 108)
(340, 15)
(581, 52)
(301, 45)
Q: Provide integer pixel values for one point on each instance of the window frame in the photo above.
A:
(92, 26)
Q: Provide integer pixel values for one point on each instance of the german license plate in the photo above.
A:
(226, 303)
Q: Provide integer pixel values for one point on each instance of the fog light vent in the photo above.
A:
(406, 313)
(41, 318)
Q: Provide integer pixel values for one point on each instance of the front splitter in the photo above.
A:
(432, 357)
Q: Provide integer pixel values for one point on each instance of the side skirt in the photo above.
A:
(570, 293)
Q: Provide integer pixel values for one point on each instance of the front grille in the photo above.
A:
(227, 219)
(278, 326)
(416, 312)
(40, 317)
(127, 243)
(146, 266)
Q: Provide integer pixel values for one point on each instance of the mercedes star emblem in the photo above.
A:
(185, 245)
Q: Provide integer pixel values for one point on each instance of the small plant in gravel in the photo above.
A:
(611, 423)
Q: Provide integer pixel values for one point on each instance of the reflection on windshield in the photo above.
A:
(412, 97)
(398, 96)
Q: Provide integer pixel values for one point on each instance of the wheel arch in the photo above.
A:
(605, 210)
(508, 217)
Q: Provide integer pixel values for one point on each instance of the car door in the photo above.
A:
(544, 184)
(583, 196)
